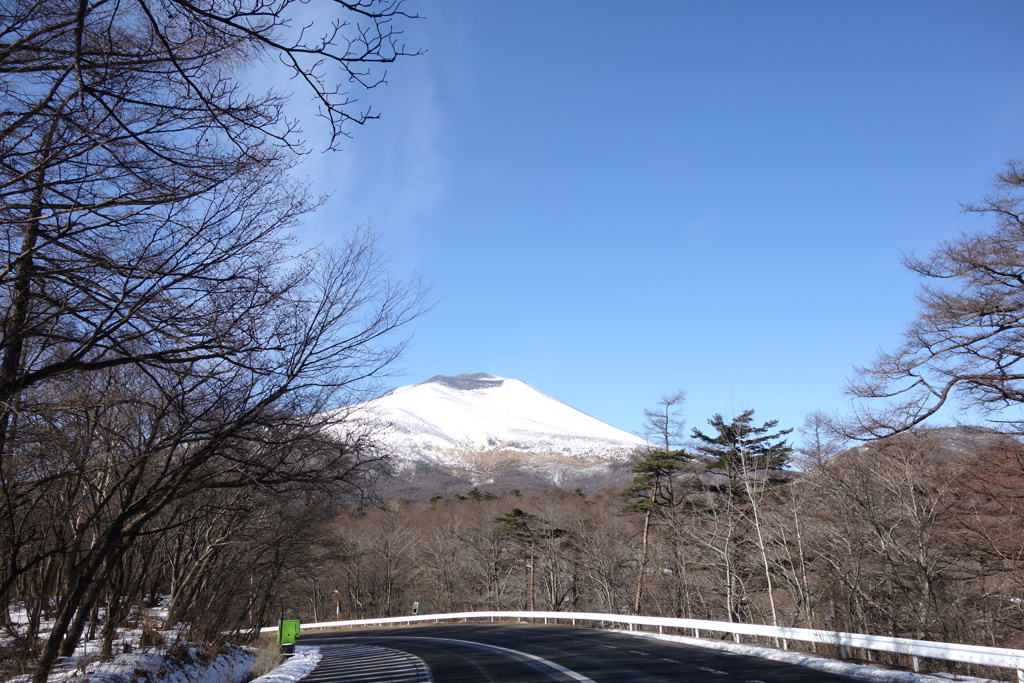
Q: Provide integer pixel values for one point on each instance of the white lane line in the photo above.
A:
(713, 671)
(516, 654)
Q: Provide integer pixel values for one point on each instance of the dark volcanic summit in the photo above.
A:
(467, 381)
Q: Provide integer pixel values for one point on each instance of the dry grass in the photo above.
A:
(268, 655)
(151, 636)
(17, 657)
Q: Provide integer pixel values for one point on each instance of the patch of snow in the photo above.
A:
(297, 666)
(151, 664)
(232, 666)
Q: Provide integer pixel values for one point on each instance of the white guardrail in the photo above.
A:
(973, 654)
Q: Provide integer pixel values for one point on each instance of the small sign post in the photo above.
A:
(286, 634)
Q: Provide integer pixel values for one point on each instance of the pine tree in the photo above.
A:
(740, 447)
(650, 491)
(652, 486)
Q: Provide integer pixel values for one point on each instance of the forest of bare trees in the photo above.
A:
(916, 536)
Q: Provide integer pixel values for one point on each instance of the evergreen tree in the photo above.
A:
(740, 446)
(651, 492)
(651, 486)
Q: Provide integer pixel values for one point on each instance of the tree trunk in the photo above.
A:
(643, 551)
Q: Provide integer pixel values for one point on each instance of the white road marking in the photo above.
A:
(713, 671)
(358, 663)
(514, 653)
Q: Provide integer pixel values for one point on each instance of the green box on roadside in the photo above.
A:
(287, 631)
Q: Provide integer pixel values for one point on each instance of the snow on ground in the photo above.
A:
(869, 673)
(154, 664)
(231, 666)
(297, 666)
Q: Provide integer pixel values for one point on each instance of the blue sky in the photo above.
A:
(614, 201)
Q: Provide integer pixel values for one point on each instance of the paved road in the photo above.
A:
(474, 653)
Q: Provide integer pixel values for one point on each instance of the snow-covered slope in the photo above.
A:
(477, 420)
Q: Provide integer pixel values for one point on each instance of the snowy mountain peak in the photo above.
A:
(464, 420)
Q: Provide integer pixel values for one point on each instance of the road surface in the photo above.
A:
(478, 653)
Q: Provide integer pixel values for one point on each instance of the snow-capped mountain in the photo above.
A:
(480, 423)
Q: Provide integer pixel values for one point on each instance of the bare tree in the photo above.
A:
(161, 336)
(822, 438)
(967, 342)
(886, 521)
(665, 423)
(603, 538)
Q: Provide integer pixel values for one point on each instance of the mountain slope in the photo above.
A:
(484, 424)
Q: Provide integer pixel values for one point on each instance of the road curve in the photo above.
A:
(477, 653)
